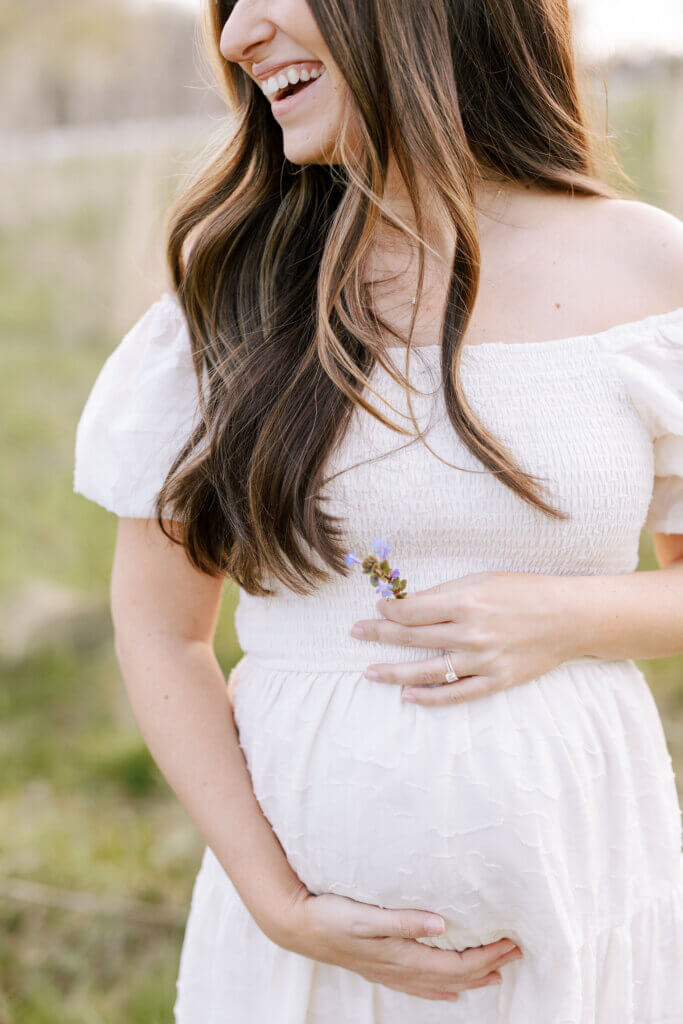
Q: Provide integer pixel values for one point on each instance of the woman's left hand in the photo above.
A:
(501, 629)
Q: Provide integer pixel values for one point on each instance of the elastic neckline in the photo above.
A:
(507, 346)
(629, 326)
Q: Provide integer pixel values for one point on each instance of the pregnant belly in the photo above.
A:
(526, 814)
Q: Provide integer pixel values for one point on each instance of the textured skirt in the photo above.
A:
(546, 813)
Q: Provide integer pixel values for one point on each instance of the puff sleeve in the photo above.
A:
(140, 411)
(648, 355)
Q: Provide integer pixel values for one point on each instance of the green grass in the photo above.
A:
(82, 805)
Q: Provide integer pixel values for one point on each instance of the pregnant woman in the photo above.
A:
(407, 319)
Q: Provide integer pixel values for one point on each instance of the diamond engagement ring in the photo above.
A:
(451, 675)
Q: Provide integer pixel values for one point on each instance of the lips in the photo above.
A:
(289, 90)
(280, 82)
(293, 95)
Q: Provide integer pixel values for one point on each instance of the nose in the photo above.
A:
(246, 29)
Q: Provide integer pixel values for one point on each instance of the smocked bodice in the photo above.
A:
(600, 417)
(561, 410)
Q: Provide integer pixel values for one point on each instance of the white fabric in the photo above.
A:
(547, 813)
(649, 357)
(140, 411)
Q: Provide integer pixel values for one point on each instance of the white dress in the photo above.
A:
(548, 812)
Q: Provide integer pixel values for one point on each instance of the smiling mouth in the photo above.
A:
(293, 97)
(291, 81)
(292, 90)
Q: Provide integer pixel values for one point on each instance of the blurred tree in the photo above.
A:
(79, 61)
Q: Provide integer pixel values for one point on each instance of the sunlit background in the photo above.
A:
(605, 26)
(103, 108)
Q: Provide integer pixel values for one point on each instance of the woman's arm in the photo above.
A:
(164, 613)
(630, 615)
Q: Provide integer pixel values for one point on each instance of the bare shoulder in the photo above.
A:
(641, 247)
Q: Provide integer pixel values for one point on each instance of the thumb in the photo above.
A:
(403, 924)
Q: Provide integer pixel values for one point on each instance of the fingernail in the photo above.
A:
(434, 926)
(509, 945)
(371, 673)
(496, 981)
(410, 696)
(356, 631)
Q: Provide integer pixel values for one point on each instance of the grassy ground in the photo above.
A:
(83, 808)
(84, 813)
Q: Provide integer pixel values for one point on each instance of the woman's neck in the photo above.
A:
(492, 195)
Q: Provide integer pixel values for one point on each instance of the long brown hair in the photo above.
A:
(266, 258)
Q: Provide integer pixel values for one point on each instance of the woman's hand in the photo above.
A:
(381, 946)
(501, 629)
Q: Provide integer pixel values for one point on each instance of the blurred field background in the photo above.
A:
(104, 110)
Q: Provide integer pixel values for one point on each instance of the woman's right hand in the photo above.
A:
(381, 946)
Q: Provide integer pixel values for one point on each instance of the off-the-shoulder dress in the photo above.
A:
(548, 812)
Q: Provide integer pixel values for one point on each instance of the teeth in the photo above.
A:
(290, 76)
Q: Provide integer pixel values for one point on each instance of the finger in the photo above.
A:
(509, 958)
(480, 959)
(437, 965)
(470, 688)
(418, 609)
(439, 634)
(474, 969)
(377, 923)
(494, 978)
(429, 672)
(439, 995)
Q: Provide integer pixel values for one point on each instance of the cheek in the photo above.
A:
(295, 19)
(342, 114)
(333, 103)
(315, 134)
(334, 123)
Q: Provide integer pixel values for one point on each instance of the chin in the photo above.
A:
(301, 149)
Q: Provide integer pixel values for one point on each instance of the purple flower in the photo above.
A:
(386, 581)
(381, 547)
